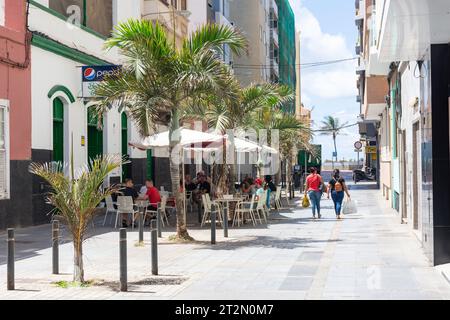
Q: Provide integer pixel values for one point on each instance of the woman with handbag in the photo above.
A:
(313, 188)
(337, 187)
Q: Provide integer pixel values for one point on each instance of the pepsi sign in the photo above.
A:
(98, 73)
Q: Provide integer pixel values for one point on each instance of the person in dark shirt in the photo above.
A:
(189, 184)
(128, 191)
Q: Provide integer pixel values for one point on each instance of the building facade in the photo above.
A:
(408, 115)
(172, 14)
(211, 11)
(15, 115)
(54, 115)
(253, 18)
(284, 21)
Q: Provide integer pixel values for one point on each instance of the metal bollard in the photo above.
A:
(141, 226)
(10, 281)
(158, 223)
(213, 227)
(123, 259)
(55, 246)
(154, 246)
(225, 221)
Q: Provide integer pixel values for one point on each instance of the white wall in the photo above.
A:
(49, 69)
(410, 87)
(198, 17)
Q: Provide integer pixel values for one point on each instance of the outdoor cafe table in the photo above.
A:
(226, 202)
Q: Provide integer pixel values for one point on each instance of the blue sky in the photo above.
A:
(328, 32)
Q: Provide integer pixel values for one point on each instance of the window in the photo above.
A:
(94, 14)
(58, 130)
(4, 150)
(95, 135)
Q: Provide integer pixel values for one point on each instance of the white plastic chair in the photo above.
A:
(277, 199)
(109, 208)
(125, 205)
(242, 208)
(208, 206)
(261, 206)
(284, 195)
(161, 209)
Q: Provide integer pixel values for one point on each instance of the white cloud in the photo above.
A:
(331, 81)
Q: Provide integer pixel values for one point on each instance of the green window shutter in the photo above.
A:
(149, 164)
(58, 130)
(95, 136)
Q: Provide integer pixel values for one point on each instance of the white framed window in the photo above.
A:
(2, 12)
(4, 150)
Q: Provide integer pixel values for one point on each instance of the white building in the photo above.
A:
(59, 112)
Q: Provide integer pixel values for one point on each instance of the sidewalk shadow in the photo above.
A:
(30, 240)
(263, 242)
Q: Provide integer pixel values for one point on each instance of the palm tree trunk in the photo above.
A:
(182, 232)
(335, 149)
(78, 269)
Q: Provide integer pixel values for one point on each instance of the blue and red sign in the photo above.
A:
(98, 73)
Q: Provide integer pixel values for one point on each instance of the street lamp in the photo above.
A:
(181, 13)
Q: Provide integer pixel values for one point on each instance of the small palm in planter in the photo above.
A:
(76, 197)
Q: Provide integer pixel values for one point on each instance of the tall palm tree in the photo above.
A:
(76, 197)
(332, 126)
(158, 80)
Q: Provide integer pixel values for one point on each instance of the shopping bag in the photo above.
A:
(349, 206)
(305, 202)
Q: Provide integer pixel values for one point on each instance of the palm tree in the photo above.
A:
(75, 198)
(158, 80)
(236, 114)
(332, 126)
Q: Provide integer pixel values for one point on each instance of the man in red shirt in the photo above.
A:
(152, 195)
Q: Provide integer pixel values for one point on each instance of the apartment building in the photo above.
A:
(15, 115)
(172, 14)
(253, 18)
(210, 11)
(404, 75)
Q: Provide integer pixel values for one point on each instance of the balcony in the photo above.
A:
(358, 49)
(376, 89)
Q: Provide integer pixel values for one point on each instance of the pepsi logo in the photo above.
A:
(89, 74)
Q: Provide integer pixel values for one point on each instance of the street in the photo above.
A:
(367, 255)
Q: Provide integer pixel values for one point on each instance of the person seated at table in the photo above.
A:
(203, 187)
(128, 191)
(152, 196)
(259, 188)
(189, 184)
(248, 187)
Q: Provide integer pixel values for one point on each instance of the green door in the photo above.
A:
(149, 165)
(126, 172)
(58, 130)
(95, 136)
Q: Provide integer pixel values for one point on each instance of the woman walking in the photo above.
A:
(313, 188)
(337, 187)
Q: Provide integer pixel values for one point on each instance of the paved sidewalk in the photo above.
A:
(368, 255)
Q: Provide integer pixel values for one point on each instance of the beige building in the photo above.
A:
(172, 14)
(253, 18)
